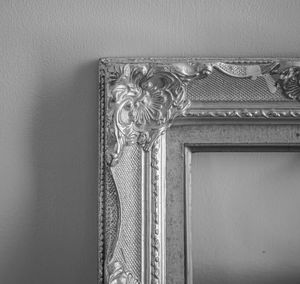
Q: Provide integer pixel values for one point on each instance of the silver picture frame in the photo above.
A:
(153, 112)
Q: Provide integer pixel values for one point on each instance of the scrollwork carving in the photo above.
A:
(118, 275)
(139, 99)
(251, 71)
(145, 100)
(289, 82)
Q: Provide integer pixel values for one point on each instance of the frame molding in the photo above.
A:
(189, 149)
(139, 99)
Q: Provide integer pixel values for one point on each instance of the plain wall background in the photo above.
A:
(48, 108)
(245, 217)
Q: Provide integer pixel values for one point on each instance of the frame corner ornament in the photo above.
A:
(139, 99)
(145, 99)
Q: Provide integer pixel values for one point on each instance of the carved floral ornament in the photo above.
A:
(138, 103)
(144, 99)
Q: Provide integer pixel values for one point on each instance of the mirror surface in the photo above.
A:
(245, 224)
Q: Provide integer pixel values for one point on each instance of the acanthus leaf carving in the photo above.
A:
(251, 71)
(139, 103)
(118, 275)
(145, 100)
(289, 82)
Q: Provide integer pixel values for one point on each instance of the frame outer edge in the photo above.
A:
(101, 169)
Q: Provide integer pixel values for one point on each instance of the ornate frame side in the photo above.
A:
(139, 98)
(101, 170)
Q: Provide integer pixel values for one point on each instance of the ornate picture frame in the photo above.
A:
(152, 112)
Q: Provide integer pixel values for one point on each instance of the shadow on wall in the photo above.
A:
(62, 246)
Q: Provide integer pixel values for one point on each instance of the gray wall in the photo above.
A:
(48, 89)
(245, 218)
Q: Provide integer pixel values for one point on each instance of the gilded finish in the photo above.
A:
(145, 100)
(155, 239)
(101, 170)
(138, 101)
(118, 275)
(289, 82)
(245, 113)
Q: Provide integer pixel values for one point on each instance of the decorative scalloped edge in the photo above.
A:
(246, 113)
(155, 243)
(101, 170)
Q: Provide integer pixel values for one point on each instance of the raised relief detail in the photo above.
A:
(289, 82)
(252, 71)
(118, 275)
(145, 100)
(245, 113)
(138, 103)
(155, 240)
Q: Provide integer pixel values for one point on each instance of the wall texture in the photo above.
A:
(48, 90)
